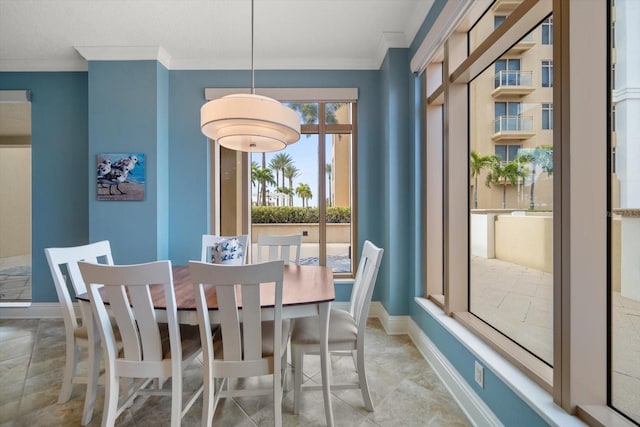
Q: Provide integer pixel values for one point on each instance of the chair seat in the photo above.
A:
(267, 341)
(342, 329)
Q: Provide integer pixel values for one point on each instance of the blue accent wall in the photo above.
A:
(59, 151)
(395, 77)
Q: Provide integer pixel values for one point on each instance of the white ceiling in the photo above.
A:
(50, 35)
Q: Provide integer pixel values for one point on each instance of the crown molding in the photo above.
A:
(125, 53)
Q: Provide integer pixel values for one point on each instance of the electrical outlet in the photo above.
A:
(479, 374)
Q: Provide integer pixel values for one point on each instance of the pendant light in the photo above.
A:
(250, 122)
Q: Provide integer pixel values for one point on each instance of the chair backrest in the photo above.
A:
(126, 287)
(364, 283)
(279, 247)
(63, 262)
(224, 248)
(246, 346)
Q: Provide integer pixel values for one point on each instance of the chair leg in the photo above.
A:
(298, 358)
(70, 366)
(111, 389)
(362, 378)
(93, 368)
(277, 398)
(207, 396)
(176, 399)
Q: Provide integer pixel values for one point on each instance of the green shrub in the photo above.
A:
(297, 215)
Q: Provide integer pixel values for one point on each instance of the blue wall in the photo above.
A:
(59, 153)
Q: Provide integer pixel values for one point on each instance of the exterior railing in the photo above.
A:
(513, 78)
(513, 123)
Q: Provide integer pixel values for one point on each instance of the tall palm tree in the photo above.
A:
(277, 164)
(304, 192)
(538, 156)
(504, 174)
(478, 162)
(264, 176)
(255, 171)
(290, 172)
(327, 170)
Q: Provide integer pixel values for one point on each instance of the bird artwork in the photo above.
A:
(127, 163)
(114, 170)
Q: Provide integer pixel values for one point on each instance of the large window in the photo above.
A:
(306, 188)
(624, 198)
(531, 243)
(511, 270)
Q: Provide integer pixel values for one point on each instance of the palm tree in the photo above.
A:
(290, 172)
(255, 171)
(264, 176)
(277, 164)
(327, 170)
(304, 192)
(504, 174)
(477, 162)
(542, 156)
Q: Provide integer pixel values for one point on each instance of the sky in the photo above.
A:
(305, 157)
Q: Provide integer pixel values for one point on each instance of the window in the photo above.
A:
(312, 176)
(547, 31)
(547, 116)
(574, 343)
(507, 72)
(306, 188)
(547, 74)
(507, 153)
(498, 20)
(507, 116)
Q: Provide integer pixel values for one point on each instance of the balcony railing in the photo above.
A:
(512, 127)
(513, 82)
(513, 78)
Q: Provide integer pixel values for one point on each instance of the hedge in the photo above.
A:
(297, 215)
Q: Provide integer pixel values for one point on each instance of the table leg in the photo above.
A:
(325, 360)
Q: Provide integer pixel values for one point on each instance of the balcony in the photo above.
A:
(512, 83)
(505, 6)
(512, 128)
(525, 43)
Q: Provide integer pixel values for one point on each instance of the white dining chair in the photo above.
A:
(224, 249)
(273, 247)
(153, 348)
(346, 330)
(63, 263)
(245, 345)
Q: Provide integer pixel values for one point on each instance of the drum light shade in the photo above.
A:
(250, 122)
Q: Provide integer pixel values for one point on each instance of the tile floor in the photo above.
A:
(405, 390)
(15, 278)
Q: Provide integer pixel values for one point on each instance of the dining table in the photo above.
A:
(307, 290)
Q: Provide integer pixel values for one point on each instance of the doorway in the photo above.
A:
(15, 200)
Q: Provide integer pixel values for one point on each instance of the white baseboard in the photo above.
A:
(39, 310)
(471, 404)
(474, 408)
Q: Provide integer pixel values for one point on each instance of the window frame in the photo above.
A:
(580, 194)
(293, 95)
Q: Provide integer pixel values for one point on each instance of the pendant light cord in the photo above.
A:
(253, 85)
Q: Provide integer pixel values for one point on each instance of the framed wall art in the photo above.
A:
(120, 176)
